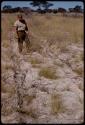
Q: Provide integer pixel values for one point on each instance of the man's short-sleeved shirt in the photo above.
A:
(20, 26)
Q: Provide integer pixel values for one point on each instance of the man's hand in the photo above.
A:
(28, 33)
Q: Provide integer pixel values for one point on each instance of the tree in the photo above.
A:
(62, 10)
(40, 4)
(7, 7)
(78, 8)
(36, 3)
(46, 4)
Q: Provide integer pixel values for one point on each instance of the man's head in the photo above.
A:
(19, 16)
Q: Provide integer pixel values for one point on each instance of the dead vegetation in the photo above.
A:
(51, 35)
(56, 104)
(48, 72)
(63, 29)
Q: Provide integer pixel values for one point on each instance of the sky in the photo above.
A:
(56, 4)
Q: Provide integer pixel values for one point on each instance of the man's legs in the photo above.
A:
(21, 37)
(20, 44)
(27, 41)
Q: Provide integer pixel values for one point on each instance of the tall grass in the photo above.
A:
(61, 29)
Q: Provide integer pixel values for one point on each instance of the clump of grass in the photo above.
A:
(8, 67)
(56, 104)
(48, 72)
(7, 88)
(79, 71)
(82, 57)
(5, 44)
(29, 112)
(29, 98)
(36, 65)
(81, 86)
(6, 110)
(35, 62)
(58, 63)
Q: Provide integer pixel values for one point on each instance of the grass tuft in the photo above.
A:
(48, 72)
(56, 104)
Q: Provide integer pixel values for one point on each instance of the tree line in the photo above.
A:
(43, 7)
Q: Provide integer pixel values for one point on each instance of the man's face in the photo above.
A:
(20, 17)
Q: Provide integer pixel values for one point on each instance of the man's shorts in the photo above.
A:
(21, 35)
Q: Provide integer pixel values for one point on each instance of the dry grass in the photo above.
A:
(36, 63)
(29, 112)
(48, 72)
(29, 98)
(62, 29)
(5, 44)
(8, 67)
(6, 88)
(7, 111)
(79, 71)
(56, 104)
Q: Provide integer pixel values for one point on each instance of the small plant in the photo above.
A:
(48, 72)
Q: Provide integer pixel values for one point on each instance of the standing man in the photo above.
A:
(21, 29)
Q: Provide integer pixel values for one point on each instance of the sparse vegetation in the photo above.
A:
(48, 72)
(35, 90)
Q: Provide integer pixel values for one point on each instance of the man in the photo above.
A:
(21, 29)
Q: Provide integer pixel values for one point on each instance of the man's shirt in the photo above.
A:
(19, 25)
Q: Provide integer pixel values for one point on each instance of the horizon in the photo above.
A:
(56, 4)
